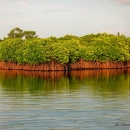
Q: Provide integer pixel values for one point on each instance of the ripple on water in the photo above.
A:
(68, 103)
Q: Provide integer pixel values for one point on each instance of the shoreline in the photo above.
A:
(56, 66)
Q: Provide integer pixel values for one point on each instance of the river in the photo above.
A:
(76, 100)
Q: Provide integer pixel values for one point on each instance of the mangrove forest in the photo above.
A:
(24, 48)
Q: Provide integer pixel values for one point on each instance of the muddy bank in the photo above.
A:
(55, 66)
(49, 66)
(81, 64)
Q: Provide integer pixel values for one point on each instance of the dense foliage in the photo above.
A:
(67, 49)
(19, 33)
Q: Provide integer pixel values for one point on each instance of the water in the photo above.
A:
(79, 100)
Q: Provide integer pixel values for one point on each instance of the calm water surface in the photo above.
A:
(88, 100)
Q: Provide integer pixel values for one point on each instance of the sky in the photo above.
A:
(61, 17)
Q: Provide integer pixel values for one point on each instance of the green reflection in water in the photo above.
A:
(102, 82)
